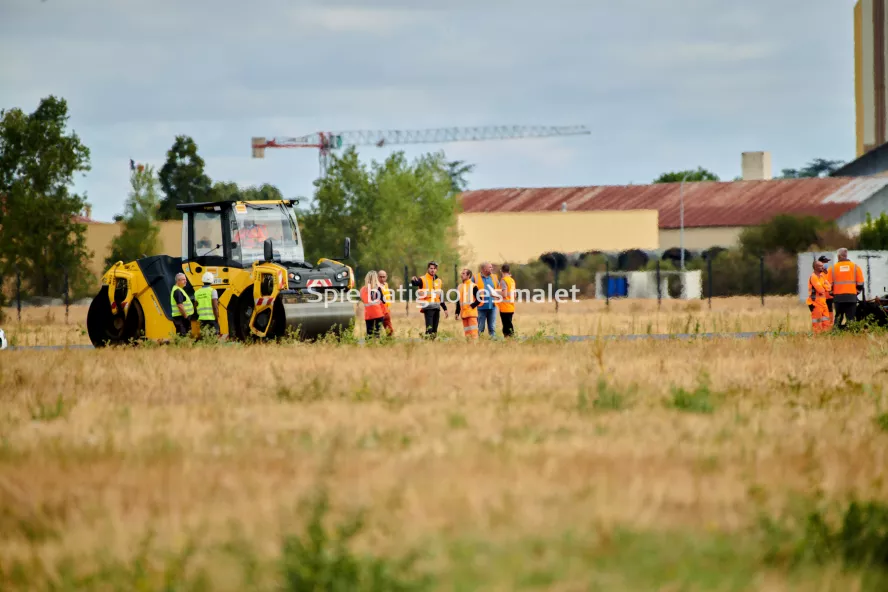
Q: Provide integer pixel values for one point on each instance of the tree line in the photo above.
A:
(396, 212)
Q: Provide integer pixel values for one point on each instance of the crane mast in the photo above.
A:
(326, 142)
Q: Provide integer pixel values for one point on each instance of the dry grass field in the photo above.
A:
(709, 464)
(47, 326)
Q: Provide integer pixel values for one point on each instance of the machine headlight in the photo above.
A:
(294, 276)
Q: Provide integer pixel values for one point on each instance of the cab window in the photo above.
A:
(207, 236)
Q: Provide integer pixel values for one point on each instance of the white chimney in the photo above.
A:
(756, 166)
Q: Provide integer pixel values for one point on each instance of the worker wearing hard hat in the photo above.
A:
(207, 305)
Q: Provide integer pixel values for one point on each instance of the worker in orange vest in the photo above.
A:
(430, 298)
(817, 295)
(824, 278)
(506, 304)
(374, 308)
(467, 304)
(387, 297)
(252, 235)
(846, 281)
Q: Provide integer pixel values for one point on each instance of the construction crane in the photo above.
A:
(326, 142)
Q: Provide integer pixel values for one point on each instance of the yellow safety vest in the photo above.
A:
(387, 296)
(204, 297)
(189, 308)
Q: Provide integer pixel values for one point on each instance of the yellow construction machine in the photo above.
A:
(255, 252)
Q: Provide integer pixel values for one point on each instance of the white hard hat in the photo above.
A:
(208, 278)
(3, 343)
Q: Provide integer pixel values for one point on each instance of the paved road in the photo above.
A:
(569, 338)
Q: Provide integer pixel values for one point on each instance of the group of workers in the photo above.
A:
(832, 293)
(479, 299)
(184, 311)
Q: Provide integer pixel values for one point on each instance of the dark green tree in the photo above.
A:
(182, 178)
(395, 212)
(138, 238)
(40, 232)
(788, 233)
(874, 233)
(819, 167)
(228, 191)
(700, 174)
(458, 169)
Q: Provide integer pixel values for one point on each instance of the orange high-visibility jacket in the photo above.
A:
(373, 308)
(483, 296)
(466, 298)
(816, 291)
(844, 278)
(431, 290)
(507, 304)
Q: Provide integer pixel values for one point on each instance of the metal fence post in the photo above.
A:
(18, 292)
(67, 302)
(607, 276)
(762, 277)
(455, 276)
(659, 291)
(709, 277)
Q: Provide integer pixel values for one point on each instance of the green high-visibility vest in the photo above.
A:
(204, 297)
(189, 308)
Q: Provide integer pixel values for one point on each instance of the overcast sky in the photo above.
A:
(662, 85)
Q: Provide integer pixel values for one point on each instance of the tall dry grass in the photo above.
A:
(47, 326)
(557, 465)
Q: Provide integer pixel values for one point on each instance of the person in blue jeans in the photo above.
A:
(488, 288)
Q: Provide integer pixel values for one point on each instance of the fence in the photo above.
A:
(874, 265)
(17, 292)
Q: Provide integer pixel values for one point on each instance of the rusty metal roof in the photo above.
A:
(706, 203)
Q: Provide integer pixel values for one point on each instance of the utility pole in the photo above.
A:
(868, 286)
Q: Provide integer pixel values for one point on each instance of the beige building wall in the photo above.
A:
(519, 237)
(701, 238)
(100, 234)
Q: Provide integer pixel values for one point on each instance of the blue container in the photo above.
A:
(617, 287)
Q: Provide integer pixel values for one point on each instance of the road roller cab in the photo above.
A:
(255, 252)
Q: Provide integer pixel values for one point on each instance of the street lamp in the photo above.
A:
(681, 215)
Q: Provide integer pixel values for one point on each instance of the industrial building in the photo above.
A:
(711, 213)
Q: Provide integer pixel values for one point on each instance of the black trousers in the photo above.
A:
(432, 316)
(183, 326)
(506, 318)
(374, 327)
(846, 311)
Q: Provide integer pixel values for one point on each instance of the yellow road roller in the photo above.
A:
(266, 288)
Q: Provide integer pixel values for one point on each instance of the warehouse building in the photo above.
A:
(715, 213)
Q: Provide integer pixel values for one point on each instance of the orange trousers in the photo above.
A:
(470, 327)
(820, 318)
